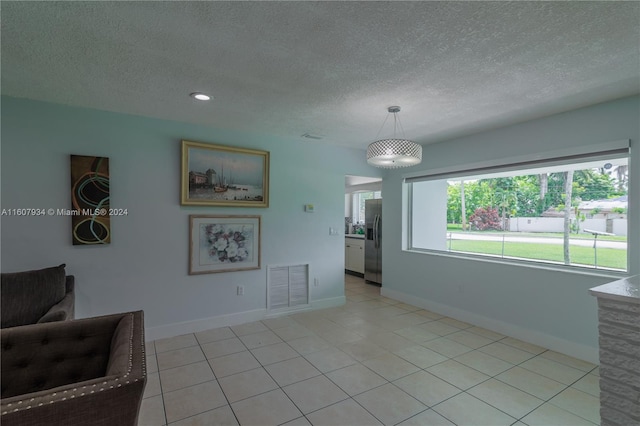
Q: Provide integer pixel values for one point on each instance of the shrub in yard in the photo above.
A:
(619, 210)
(485, 218)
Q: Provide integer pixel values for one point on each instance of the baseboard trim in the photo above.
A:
(186, 327)
(330, 302)
(576, 350)
(354, 273)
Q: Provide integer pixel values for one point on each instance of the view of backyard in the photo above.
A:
(575, 217)
(610, 252)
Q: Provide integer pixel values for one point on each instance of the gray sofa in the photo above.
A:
(37, 296)
(86, 372)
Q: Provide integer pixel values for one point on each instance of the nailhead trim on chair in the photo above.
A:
(111, 382)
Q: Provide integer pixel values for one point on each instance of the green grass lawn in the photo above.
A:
(583, 236)
(607, 258)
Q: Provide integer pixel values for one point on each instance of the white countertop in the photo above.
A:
(624, 290)
(360, 236)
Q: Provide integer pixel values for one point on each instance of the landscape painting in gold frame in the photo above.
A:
(218, 175)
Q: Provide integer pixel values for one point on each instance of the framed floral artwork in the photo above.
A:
(223, 243)
(217, 175)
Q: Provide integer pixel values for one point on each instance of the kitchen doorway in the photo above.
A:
(358, 191)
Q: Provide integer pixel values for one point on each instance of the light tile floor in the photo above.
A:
(372, 361)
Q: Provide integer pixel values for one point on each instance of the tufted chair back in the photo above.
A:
(46, 358)
(80, 372)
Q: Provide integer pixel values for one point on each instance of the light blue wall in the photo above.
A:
(145, 266)
(549, 307)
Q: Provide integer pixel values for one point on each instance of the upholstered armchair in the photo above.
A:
(38, 296)
(86, 372)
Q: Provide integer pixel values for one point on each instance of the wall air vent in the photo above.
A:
(287, 287)
(312, 136)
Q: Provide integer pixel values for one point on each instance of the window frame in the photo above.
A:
(356, 203)
(613, 149)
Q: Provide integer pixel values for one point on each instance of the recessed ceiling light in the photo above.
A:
(200, 96)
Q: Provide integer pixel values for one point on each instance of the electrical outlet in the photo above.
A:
(316, 282)
(240, 290)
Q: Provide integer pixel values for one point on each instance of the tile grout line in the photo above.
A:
(421, 369)
(274, 380)
(366, 317)
(164, 409)
(218, 382)
(324, 374)
(547, 401)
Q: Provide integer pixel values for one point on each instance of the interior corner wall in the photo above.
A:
(145, 266)
(551, 308)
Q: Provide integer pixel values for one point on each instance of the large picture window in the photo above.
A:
(567, 211)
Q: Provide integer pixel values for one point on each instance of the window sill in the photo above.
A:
(604, 273)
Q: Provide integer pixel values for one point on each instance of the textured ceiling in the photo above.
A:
(326, 68)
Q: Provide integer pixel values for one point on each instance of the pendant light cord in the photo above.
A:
(397, 119)
(381, 127)
(396, 124)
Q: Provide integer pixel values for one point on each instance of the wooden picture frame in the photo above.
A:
(217, 175)
(223, 243)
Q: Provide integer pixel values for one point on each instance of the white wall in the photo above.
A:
(348, 205)
(373, 186)
(536, 224)
(430, 230)
(556, 224)
(620, 227)
(145, 266)
(549, 307)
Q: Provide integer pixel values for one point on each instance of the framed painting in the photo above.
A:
(217, 175)
(90, 219)
(223, 243)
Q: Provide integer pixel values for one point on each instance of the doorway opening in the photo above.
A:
(360, 192)
(358, 189)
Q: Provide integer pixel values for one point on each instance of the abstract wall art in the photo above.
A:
(90, 219)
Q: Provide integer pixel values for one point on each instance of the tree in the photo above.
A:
(568, 190)
(543, 180)
(463, 208)
(525, 203)
(508, 198)
(484, 219)
(622, 174)
(591, 184)
(454, 215)
(475, 195)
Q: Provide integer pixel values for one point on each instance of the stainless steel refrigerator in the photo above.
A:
(373, 241)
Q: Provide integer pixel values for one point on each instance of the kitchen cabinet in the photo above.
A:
(354, 254)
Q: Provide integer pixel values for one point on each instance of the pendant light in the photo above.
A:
(394, 153)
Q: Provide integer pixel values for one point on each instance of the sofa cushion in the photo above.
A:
(27, 296)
